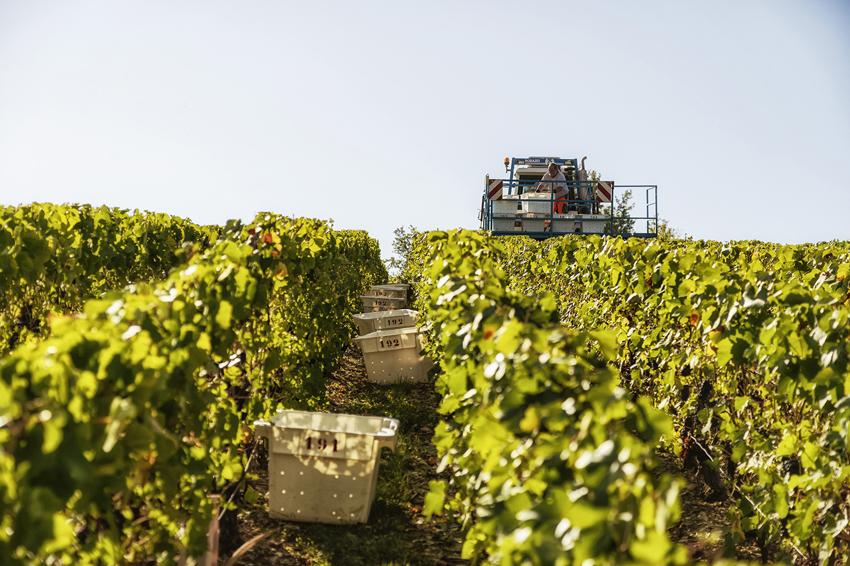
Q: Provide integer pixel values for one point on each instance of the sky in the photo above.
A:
(378, 114)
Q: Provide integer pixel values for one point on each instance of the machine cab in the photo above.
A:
(527, 173)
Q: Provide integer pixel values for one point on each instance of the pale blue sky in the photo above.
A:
(378, 114)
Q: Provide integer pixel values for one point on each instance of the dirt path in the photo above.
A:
(397, 533)
(705, 525)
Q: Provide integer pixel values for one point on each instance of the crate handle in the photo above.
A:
(262, 429)
(388, 427)
(387, 437)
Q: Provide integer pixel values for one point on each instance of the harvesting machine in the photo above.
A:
(523, 203)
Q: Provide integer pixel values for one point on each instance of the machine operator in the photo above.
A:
(554, 181)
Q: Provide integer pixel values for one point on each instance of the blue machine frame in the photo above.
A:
(512, 186)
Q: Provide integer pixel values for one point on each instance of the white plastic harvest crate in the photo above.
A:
(508, 204)
(371, 321)
(323, 467)
(507, 224)
(535, 223)
(372, 303)
(395, 290)
(394, 356)
(537, 203)
(584, 224)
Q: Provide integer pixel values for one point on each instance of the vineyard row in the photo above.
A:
(744, 346)
(122, 422)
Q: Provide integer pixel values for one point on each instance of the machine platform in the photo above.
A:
(568, 202)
